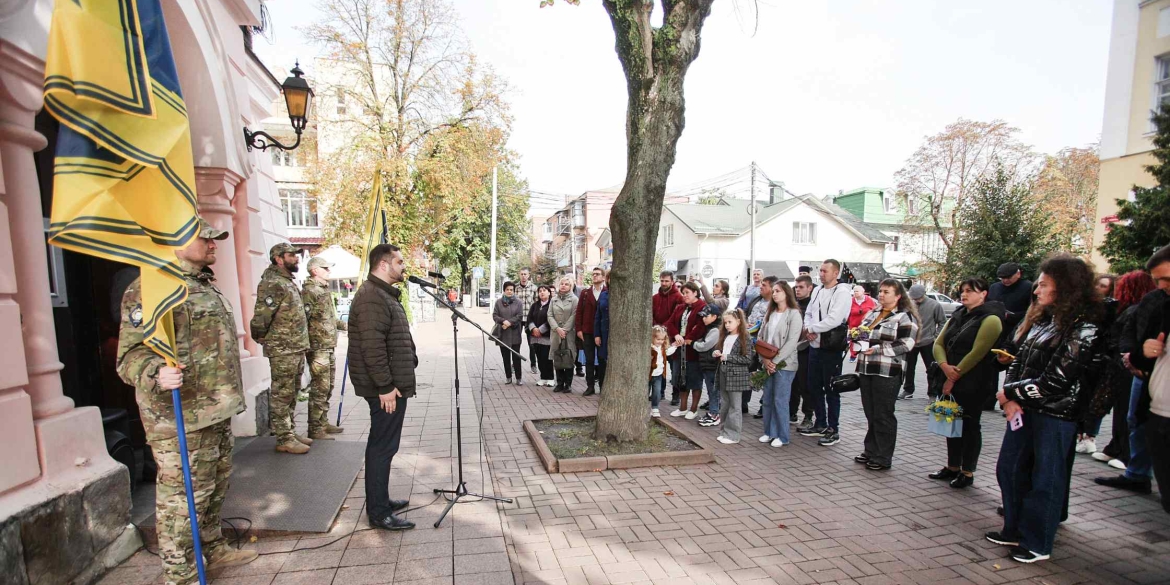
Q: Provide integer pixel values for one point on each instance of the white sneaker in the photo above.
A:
(654, 413)
(691, 415)
(1086, 446)
(777, 443)
(1101, 456)
(678, 412)
(765, 438)
(726, 441)
(1117, 464)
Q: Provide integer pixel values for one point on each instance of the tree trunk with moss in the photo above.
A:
(655, 62)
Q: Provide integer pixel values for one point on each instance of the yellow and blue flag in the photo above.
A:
(123, 182)
(375, 225)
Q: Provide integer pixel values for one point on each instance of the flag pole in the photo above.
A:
(341, 399)
(182, 430)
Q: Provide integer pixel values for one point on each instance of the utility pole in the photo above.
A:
(752, 210)
(492, 287)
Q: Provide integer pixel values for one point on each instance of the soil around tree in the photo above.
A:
(570, 438)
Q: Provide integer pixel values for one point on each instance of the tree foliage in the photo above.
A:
(399, 72)
(1144, 221)
(1001, 223)
(939, 178)
(1066, 189)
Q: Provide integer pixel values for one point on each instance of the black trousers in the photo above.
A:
(963, 452)
(799, 397)
(531, 348)
(511, 361)
(1118, 447)
(878, 395)
(381, 446)
(1157, 430)
(927, 353)
(565, 377)
(543, 361)
(593, 373)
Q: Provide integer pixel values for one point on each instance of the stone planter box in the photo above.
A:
(582, 464)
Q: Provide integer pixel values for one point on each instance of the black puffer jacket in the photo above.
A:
(381, 350)
(1051, 371)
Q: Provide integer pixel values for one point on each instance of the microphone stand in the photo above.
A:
(460, 490)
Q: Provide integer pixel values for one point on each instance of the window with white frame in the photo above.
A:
(885, 203)
(895, 244)
(341, 109)
(282, 158)
(804, 232)
(300, 210)
(911, 205)
(668, 235)
(1162, 83)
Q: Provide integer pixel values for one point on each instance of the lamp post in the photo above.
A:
(298, 97)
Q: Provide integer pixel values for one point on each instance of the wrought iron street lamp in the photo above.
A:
(298, 97)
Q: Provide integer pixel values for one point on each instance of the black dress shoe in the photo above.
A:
(588, 392)
(396, 505)
(1125, 483)
(962, 481)
(392, 523)
(862, 459)
(945, 474)
(875, 466)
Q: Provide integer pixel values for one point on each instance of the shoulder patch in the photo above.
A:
(269, 301)
(136, 316)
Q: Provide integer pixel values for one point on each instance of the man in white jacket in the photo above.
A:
(828, 310)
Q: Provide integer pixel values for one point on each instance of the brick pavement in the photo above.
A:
(798, 514)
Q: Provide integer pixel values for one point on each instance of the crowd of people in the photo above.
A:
(1056, 355)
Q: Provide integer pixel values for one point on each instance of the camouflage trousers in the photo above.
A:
(209, 451)
(282, 402)
(322, 368)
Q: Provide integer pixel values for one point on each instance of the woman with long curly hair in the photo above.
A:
(1043, 396)
(1129, 290)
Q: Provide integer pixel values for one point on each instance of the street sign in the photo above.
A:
(670, 265)
(708, 271)
(477, 272)
(1110, 219)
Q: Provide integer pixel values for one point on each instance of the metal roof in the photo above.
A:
(732, 219)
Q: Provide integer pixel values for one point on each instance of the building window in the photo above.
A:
(300, 210)
(281, 158)
(667, 235)
(1162, 83)
(896, 243)
(885, 203)
(341, 102)
(804, 232)
(911, 205)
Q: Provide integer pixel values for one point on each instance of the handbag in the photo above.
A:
(835, 339)
(766, 350)
(563, 357)
(845, 383)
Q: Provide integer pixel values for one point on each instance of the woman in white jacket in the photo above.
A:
(781, 328)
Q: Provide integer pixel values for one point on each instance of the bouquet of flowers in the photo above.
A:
(946, 417)
(756, 381)
(859, 337)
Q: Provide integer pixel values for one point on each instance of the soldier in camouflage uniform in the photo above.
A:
(322, 341)
(279, 325)
(211, 392)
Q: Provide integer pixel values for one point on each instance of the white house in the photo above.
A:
(715, 240)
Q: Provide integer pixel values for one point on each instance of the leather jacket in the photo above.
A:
(1052, 369)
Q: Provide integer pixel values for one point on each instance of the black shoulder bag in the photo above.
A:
(835, 339)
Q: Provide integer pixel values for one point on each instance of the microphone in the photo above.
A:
(421, 282)
(435, 275)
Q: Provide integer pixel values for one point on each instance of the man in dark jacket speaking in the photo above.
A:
(381, 363)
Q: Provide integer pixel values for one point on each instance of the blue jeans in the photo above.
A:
(712, 394)
(657, 384)
(1033, 478)
(822, 366)
(777, 391)
(1140, 465)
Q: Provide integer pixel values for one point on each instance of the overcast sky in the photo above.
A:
(827, 94)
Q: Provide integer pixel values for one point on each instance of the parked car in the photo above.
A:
(948, 305)
(484, 298)
(343, 309)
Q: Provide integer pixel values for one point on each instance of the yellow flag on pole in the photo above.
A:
(123, 181)
(375, 225)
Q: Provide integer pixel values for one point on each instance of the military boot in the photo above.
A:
(303, 439)
(226, 557)
(294, 446)
(320, 435)
(333, 429)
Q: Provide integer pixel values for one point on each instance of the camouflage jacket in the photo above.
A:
(279, 322)
(205, 342)
(321, 314)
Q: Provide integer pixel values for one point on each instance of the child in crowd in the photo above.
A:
(708, 363)
(735, 353)
(660, 349)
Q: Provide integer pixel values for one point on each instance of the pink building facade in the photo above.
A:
(64, 500)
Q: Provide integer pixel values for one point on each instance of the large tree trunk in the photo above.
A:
(655, 62)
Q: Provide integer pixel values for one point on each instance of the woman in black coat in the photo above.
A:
(963, 353)
(542, 334)
(1044, 395)
(508, 314)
